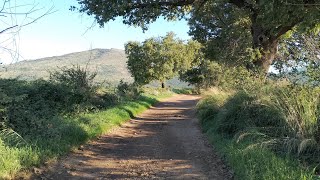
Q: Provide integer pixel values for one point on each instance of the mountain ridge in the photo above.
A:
(110, 65)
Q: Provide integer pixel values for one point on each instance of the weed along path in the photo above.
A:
(164, 142)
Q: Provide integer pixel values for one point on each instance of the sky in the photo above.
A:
(64, 31)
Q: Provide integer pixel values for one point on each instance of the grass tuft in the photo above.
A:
(263, 136)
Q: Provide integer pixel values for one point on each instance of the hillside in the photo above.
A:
(110, 65)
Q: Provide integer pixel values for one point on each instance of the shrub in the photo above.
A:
(244, 111)
(28, 107)
(78, 80)
(128, 91)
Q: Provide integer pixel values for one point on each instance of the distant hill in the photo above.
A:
(110, 65)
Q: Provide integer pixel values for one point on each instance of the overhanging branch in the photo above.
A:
(284, 29)
(7, 29)
(161, 4)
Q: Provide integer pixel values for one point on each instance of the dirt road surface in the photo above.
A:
(165, 142)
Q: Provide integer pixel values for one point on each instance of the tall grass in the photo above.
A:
(267, 134)
(251, 163)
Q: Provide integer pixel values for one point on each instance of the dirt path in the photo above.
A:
(165, 142)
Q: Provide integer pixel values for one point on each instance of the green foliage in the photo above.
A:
(205, 75)
(247, 33)
(258, 134)
(160, 59)
(78, 79)
(128, 91)
(224, 29)
(157, 92)
(210, 105)
(230, 30)
(300, 107)
(212, 74)
(40, 120)
(278, 120)
(27, 107)
(246, 112)
(257, 163)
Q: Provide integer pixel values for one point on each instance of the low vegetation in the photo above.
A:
(265, 129)
(44, 119)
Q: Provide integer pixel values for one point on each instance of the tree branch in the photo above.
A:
(3, 5)
(161, 4)
(6, 29)
(284, 29)
(16, 16)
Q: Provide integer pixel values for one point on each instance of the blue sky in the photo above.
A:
(65, 31)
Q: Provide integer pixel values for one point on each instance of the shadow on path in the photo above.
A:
(164, 142)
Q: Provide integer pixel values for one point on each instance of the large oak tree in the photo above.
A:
(254, 26)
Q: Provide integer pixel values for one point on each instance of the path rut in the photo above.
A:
(165, 142)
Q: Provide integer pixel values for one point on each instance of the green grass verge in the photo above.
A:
(251, 163)
(67, 133)
(223, 116)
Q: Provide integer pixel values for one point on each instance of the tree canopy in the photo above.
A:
(240, 31)
(160, 58)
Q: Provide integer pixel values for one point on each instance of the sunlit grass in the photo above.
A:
(247, 129)
(67, 133)
(257, 162)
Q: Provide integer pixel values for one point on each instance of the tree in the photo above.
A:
(205, 75)
(160, 58)
(252, 26)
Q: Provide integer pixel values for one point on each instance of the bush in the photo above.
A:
(78, 80)
(28, 107)
(128, 91)
(245, 111)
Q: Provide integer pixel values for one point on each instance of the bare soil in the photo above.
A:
(165, 142)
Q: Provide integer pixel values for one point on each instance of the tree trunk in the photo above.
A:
(268, 46)
(162, 84)
(268, 54)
